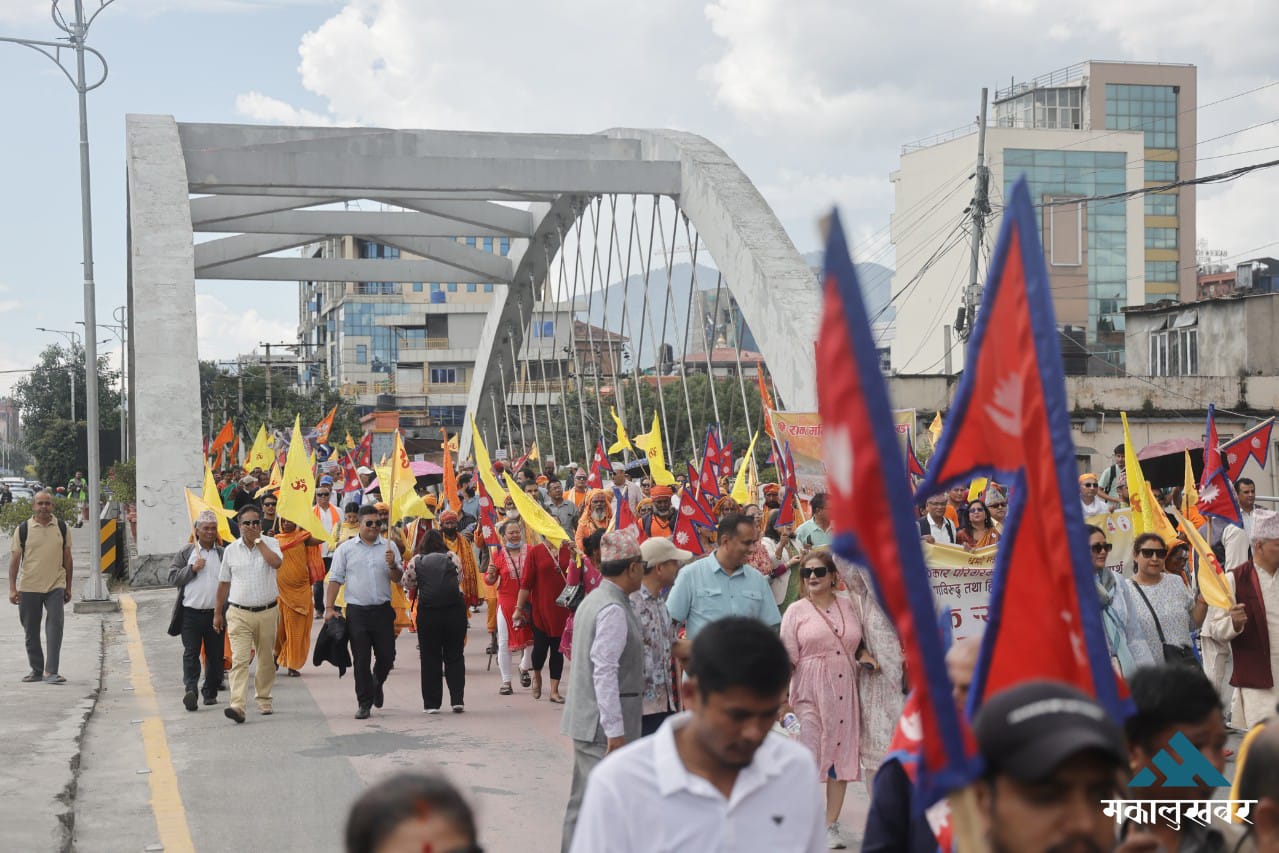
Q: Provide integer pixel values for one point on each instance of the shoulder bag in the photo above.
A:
(1173, 654)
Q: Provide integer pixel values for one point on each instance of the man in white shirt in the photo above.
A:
(630, 491)
(717, 775)
(604, 707)
(194, 572)
(247, 585)
(1238, 540)
(331, 518)
(1092, 502)
(935, 528)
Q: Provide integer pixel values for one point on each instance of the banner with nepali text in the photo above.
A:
(803, 432)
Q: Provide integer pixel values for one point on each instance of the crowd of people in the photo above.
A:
(739, 692)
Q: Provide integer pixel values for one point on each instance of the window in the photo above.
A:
(1152, 109)
(1161, 171)
(367, 249)
(1161, 204)
(361, 354)
(1161, 238)
(377, 288)
(443, 375)
(543, 329)
(488, 244)
(504, 246)
(1175, 352)
(470, 287)
(470, 241)
(453, 287)
(1161, 270)
(435, 287)
(417, 287)
(446, 415)
(488, 288)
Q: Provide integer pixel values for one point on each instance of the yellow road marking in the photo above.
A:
(166, 798)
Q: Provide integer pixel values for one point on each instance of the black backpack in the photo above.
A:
(22, 535)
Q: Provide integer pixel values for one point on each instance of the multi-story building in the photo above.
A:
(1079, 135)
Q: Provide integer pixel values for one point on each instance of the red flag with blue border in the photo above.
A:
(1216, 489)
(1251, 444)
(865, 468)
(1011, 416)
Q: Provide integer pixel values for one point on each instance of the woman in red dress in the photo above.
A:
(544, 577)
(505, 571)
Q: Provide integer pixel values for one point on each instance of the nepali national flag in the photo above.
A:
(488, 518)
(685, 533)
(913, 467)
(710, 454)
(1011, 416)
(725, 457)
(865, 468)
(707, 481)
(1216, 489)
(695, 508)
(623, 517)
(786, 511)
(350, 480)
(600, 470)
(1253, 444)
(364, 451)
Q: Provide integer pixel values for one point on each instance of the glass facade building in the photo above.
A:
(1056, 176)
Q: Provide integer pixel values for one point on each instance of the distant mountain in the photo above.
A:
(606, 306)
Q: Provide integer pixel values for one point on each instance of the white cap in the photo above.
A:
(659, 549)
(365, 470)
(618, 468)
(1265, 525)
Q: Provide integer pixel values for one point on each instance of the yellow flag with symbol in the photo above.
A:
(623, 440)
(402, 493)
(297, 489)
(260, 455)
(534, 516)
(484, 465)
(741, 486)
(651, 443)
(213, 500)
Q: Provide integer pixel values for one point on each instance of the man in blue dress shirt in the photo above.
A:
(721, 583)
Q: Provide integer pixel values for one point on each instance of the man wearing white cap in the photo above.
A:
(365, 475)
(1251, 626)
(603, 709)
(631, 491)
(662, 561)
(194, 571)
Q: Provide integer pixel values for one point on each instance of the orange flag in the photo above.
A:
(217, 462)
(223, 438)
(233, 455)
(450, 476)
(324, 427)
(766, 401)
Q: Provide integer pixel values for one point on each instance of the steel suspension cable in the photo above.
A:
(590, 301)
(683, 372)
(659, 346)
(737, 352)
(606, 278)
(577, 367)
(627, 327)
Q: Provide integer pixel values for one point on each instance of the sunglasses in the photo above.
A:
(322, 494)
(269, 505)
(1000, 505)
(815, 572)
(976, 509)
(1102, 548)
(1090, 485)
(1149, 553)
(251, 522)
(372, 523)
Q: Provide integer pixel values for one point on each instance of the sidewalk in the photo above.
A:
(43, 724)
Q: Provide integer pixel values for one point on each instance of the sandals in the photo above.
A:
(537, 685)
(558, 700)
(505, 689)
(525, 678)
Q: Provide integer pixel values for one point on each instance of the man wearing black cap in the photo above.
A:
(1052, 755)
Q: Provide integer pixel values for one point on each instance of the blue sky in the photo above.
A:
(813, 98)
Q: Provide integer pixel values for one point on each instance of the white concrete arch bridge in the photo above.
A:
(575, 213)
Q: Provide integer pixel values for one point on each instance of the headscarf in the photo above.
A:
(587, 525)
(723, 503)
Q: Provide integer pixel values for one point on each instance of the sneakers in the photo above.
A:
(210, 700)
(189, 700)
(234, 714)
(362, 713)
(834, 838)
(457, 709)
(432, 710)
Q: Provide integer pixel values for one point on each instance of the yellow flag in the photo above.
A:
(260, 455)
(934, 429)
(1158, 521)
(484, 465)
(1142, 512)
(532, 453)
(741, 489)
(1212, 585)
(297, 489)
(623, 440)
(402, 493)
(977, 488)
(1190, 496)
(534, 517)
(197, 505)
(651, 443)
(350, 442)
(213, 500)
(273, 482)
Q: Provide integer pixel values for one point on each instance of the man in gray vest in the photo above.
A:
(606, 683)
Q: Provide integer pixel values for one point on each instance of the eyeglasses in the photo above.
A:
(269, 505)
(251, 522)
(1102, 547)
(1157, 553)
(1090, 485)
(372, 523)
(814, 572)
(322, 494)
(976, 509)
(999, 505)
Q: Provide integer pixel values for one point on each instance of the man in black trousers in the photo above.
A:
(195, 572)
(368, 564)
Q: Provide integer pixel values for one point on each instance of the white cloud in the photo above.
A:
(7, 305)
(264, 108)
(226, 332)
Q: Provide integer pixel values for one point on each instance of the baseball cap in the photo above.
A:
(326, 480)
(1028, 730)
(365, 470)
(658, 549)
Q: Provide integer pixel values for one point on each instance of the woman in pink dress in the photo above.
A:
(823, 635)
(589, 576)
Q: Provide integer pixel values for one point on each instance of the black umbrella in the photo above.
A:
(1164, 462)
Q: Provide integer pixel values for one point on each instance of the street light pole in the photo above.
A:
(77, 31)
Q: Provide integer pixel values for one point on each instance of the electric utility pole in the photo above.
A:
(978, 209)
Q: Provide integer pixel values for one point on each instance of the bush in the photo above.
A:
(19, 511)
(121, 482)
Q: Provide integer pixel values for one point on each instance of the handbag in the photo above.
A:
(1173, 654)
(175, 618)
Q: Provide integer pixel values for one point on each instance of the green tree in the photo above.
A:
(44, 397)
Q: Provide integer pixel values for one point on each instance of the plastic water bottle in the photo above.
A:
(790, 723)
